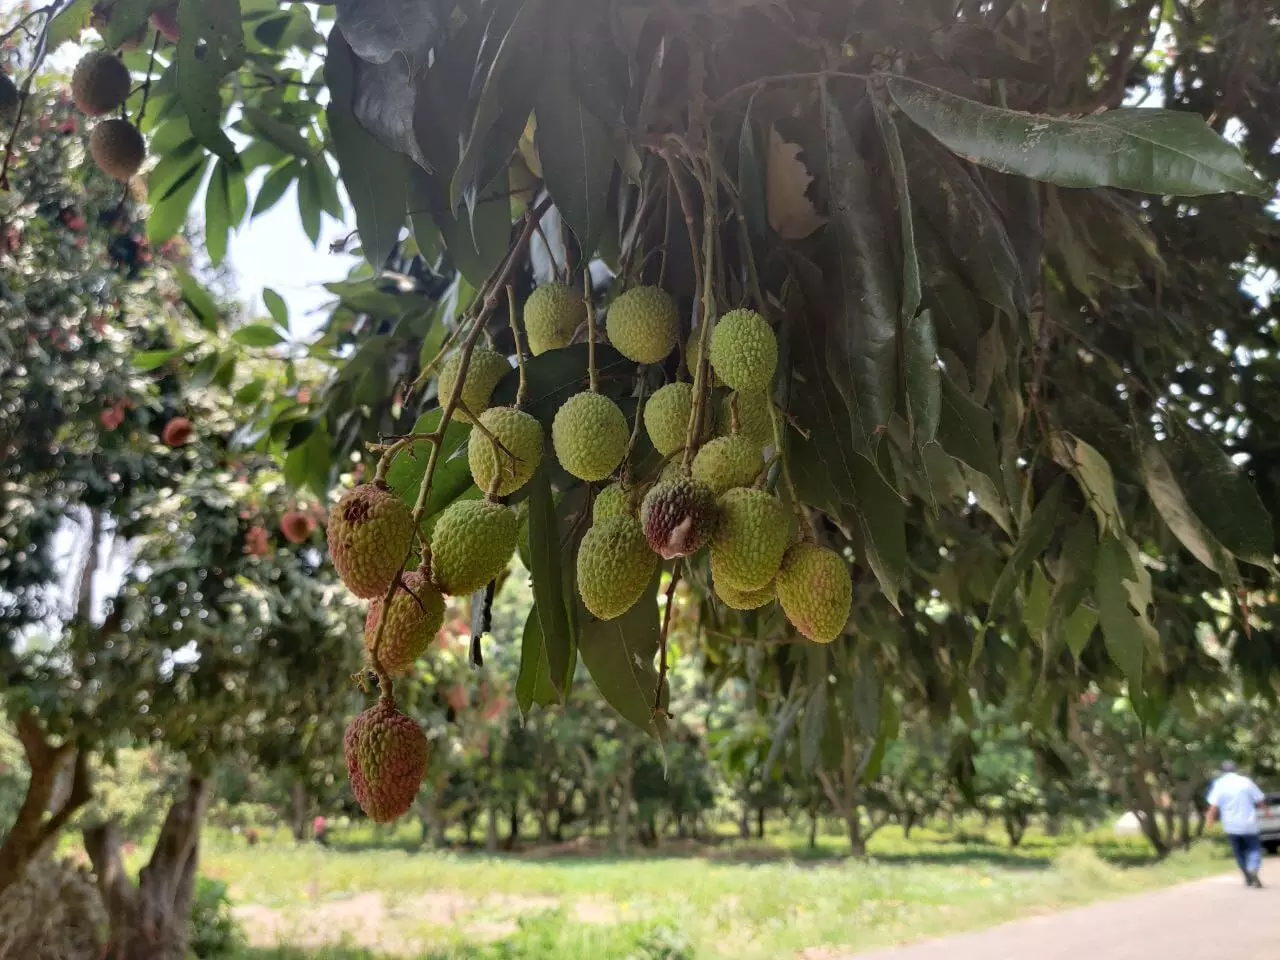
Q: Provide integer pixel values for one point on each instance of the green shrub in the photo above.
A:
(214, 931)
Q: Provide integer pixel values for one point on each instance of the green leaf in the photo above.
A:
(1222, 497)
(813, 726)
(274, 130)
(574, 146)
(556, 375)
(1073, 575)
(274, 186)
(751, 176)
(376, 177)
(169, 213)
(880, 518)
(257, 335)
(476, 244)
(1119, 587)
(1077, 630)
(211, 46)
(1153, 151)
(307, 465)
(224, 204)
(276, 307)
(545, 566)
(251, 392)
(309, 203)
(862, 330)
(452, 478)
(127, 16)
(149, 360)
(911, 292)
(1033, 541)
(533, 681)
(198, 300)
(70, 23)
(1035, 605)
(967, 431)
(923, 377)
(1167, 494)
(619, 655)
(1093, 474)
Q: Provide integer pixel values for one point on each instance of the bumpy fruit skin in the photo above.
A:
(471, 544)
(666, 416)
(410, 627)
(614, 566)
(815, 591)
(612, 501)
(165, 20)
(486, 369)
(551, 315)
(678, 517)
(296, 526)
(177, 432)
(727, 462)
(386, 756)
(753, 417)
(745, 599)
(369, 533)
(8, 97)
(117, 148)
(642, 324)
(744, 351)
(99, 83)
(590, 436)
(750, 539)
(521, 435)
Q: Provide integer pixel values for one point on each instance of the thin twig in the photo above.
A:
(662, 638)
(702, 380)
(780, 452)
(146, 84)
(783, 78)
(523, 388)
(591, 331)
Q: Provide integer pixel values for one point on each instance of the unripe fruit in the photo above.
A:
(165, 20)
(117, 148)
(417, 611)
(521, 435)
(744, 351)
(100, 83)
(666, 416)
(177, 432)
(486, 369)
(386, 756)
(296, 526)
(753, 417)
(815, 591)
(9, 97)
(727, 462)
(590, 436)
(615, 566)
(745, 599)
(642, 324)
(370, 531)
(750, 539)
(471, 544)
(551, 315)
(612, 501)
(678, 517)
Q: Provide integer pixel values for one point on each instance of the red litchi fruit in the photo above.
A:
(177, 432)
(296, 526)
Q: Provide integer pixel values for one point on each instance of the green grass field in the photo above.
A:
(740, 900)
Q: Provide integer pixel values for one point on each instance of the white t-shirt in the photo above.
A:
(1237, 798)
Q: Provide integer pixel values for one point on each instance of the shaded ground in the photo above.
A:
(1210, 918)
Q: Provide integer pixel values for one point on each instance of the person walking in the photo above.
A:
(1235, 800)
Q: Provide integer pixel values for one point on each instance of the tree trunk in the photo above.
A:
(744, 821)
(31, 832)
(760, 823)
(908, 822)
(1015, 825)
(491, 831)
(468, 827)
(89, 569)
(150, 921)
(813, 830)
(301, 804)
(857, 843)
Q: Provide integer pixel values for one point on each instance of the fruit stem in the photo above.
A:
(515, 333)
(702, 376)
(662, 638)
(390, 450)
(780, 452)
(591, 330)
(635, 427)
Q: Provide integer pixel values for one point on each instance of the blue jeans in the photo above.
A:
(1247, 848)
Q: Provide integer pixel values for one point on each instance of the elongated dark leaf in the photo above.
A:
(619, 655)
(257, 335)
(151, 359)
(70, 22)
(575, 147)
(1124, 626)
(1170, 500)
(533, 682)
(751, 176)
(1033, 541)
(476, 243)
(546, 566)
(384, 102)
(274, 187)
(922, 376)
(967, 431)
(198, 300)
(911, 294)
(813, 726)
(284, 135)
(1153, 151)
(307, 465)
(169, 210)
(862, 333)
(376, 177)
(555, 376)
(127, 17)
(879, 516)
(211, 46)
(378, 30)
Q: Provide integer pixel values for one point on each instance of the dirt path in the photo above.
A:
(1195, 921)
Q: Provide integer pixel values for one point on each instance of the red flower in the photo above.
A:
(297, 526)
(177, 432)
(256, 542)
(111, 418)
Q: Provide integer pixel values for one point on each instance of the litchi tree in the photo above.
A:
(973, 300)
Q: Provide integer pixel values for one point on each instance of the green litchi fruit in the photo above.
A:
(744, 351)
(727, 462)
(417, 611)
(642, 324)
(370, 532)
(590, 436)
(486, 369)
(386, 756)
(551, 315)
(612, 501)
(815, 591)
(678, 517)
(666, 417)
(495, 473)
(615, 566)
(745, 599)
(100, 83)
(750, 539)
(471, 544)
(753, 417)
(117, 148)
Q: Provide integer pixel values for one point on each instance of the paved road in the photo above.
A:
(1206, 920)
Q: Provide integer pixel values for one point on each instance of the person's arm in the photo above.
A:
(1258, 797)
(1210, 815)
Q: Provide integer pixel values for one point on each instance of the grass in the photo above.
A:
(735, 900)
